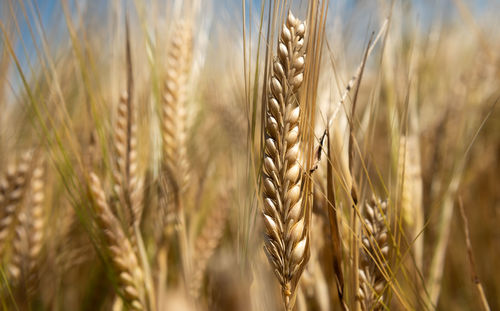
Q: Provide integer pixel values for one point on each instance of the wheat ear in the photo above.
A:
(127, 184)
(174, 110)
(121, 253)
(206, 243)
(29, 235)
(373, 256)
(12, 189)
(284, 215)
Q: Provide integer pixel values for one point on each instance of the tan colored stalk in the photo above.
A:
(120, 251)
(411, 193)
(314, 282)
(373, 257)
(475, 278)
(434, 278)
(284, 215)
(335, 239)
(355, 247)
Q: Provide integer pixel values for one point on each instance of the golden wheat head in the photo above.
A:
(283, 212)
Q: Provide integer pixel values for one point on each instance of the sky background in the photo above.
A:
(48, 15)
(425, 11)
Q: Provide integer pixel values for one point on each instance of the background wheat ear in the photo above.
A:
(127, 183)
(119, 249)
(174, 109)
(284, 215)
(374, 256)
(29, 232)
(12, 189)
(207, 242)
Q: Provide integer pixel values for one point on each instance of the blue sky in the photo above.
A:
(52, 19)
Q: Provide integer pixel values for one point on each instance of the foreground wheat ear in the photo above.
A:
(118, 246)
(284, 215)
(374, 256)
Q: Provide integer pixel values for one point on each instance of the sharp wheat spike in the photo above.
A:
(284, 215)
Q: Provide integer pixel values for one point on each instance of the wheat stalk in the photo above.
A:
(411, 193)
(284, 216)
(373, 256)
(121, 253)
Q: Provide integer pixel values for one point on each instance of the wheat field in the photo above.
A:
(249, 155)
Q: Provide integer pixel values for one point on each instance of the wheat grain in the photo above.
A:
(284, 215)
